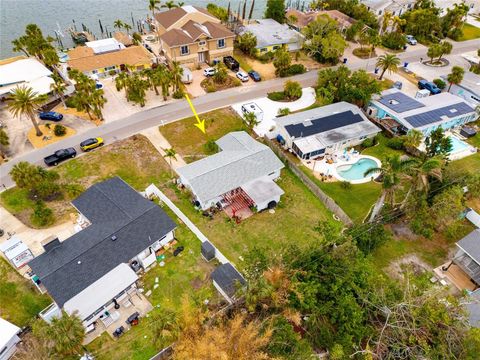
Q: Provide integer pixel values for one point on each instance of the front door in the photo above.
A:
(201, 57)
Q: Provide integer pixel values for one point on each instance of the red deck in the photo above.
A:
(238, 204)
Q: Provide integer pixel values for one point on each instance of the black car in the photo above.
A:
(59, 156)
(231, 63)
(254, 75)
(50, 115)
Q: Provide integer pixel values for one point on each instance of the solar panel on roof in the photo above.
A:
(323, 124)
(436, 115)
(399, 102)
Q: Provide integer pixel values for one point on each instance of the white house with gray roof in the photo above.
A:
(96, 269)
(243, 166)
(468, 256)
(324, 130)
(424, 114)
(272, 35)
(468, 89)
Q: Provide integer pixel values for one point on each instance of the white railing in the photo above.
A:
(50, 312)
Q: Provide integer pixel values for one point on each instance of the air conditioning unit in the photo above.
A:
(422, 94)
(372, 112)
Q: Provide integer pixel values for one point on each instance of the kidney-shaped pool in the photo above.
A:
(356, 171)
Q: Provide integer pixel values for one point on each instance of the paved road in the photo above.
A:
(135, 123)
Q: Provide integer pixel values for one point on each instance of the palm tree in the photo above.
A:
(393, 169)
(170, 154)
(170, 4)
(456, 76)
(165, 80)
(251, 120)
(413, 139)
(118, 24)
(387, 17)
(25, 174)
(97, 101)
(388, 62)
(424, 169)
(25, 101)
(127, 27)
(177, 72)
(152, 6)
(148, 74)
(19, 46)
(58, 87)
(136, 38)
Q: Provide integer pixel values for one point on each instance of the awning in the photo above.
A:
(262, 190)
(101, 291)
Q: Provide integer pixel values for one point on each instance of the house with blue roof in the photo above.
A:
(426, 114)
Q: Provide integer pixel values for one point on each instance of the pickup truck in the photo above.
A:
(59, 156)
(231, 63)
(430, 86)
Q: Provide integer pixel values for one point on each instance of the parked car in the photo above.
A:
(231, 63)
(254, 75)
(91, 143)
(60, 155)
(210, 71)
(242, 76)
(50, 115)
(98, 85)
(187, 76)
(397, 85)
(411, 40)
(430, 86)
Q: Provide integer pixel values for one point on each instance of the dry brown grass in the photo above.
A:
(48, 136)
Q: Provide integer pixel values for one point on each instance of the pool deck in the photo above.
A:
(459, 154)
(326, 168)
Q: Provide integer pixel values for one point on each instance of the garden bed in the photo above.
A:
(364, 53)
(209, 84)
(48, 136)
(280, 97)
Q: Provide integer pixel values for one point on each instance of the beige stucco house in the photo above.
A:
(190, 35)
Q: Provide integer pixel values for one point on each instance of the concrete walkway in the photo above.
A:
(160, 143)
(32, 237)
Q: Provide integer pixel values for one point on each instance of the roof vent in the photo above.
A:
(114, 237)
(393, 102)
(79, 262)
(453, 111)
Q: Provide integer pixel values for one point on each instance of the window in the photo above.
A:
(276, 47)
(263, 49)
(202, 43)
(184, 50)
(379, 12)
(110, 68)
(94, 71)
(221, 43)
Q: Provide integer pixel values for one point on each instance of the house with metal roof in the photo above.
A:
(272, 35)
(324, 130)
(96, 269)
(424, 114)
(191, 35)
(468, 89)
(8, 339)
(467, 260)
(241, 175)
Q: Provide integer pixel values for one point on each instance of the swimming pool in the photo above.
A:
(457, 145)
(357, 170)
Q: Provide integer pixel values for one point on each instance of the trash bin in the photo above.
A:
(376, 71)
(344, 60)
(405, 64)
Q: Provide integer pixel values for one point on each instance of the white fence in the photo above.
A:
(153, 190)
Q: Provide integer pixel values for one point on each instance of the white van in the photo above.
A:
(187, 76)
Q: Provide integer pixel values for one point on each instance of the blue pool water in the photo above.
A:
(356, 171)
(457, 145)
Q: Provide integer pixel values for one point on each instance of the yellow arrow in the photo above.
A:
(200, 123)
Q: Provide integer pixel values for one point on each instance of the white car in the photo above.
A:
(209, 71)
(242, 76)
(411, 40)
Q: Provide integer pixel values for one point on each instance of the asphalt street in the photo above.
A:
(162, 115)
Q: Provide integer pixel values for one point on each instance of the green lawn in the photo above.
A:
(470, 32)
(20, 301)
(134, 159)
(469, 164)
(189, 141)
(381, 150)
(184, 275)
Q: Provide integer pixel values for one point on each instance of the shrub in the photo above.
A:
(70, 102)
(396, 143)
(46, 190)
(455, 34)
(266, 57)
(48, 125)
(276, 96)
(73, 190)
(346, 185)
(294, 69)
(440, 83)
(178, 94)
(368, 143)
(210, 147)
(368, 241)
(292, 90)
(394, 40)
(59, 130)
(283, 111)
(210, 88)
(236, 82)
(42, 215)
(112, 73)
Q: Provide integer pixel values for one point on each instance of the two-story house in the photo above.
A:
(190, 36)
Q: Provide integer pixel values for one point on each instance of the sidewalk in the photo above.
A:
(160, 143)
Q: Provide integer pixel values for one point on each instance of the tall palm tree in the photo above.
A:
(24, 101)
(456, 76)
(67, 334)
(118, 24)
(19, 46)
(251, 120)
(127, 27)
(97, 101)
(58, 87)
(149, 75)
(170, 4)
(387, 17)
(413, 139)
(177, 72)
(154, 5)
(136, 38)
(392, 171)
(165, 80)
(170, 154)
(424, 169)
(388, 62)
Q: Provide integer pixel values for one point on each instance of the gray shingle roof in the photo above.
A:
(241, 160)
(228, 278)
(113, 208)
(471, 245)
